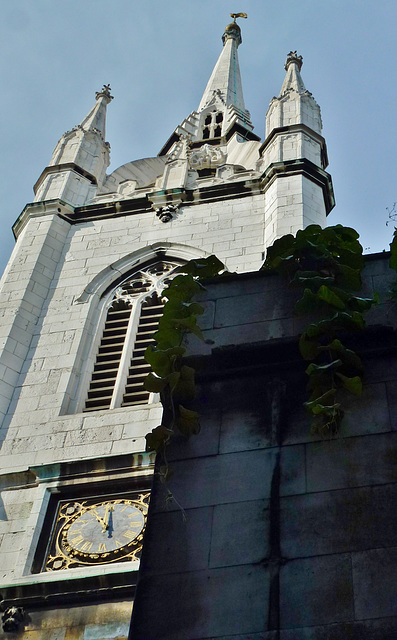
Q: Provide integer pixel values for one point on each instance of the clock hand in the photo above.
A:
(98, 518)
(110, 523)
(106, 518)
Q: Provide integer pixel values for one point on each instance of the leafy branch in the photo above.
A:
(171, 378)
(326, 264)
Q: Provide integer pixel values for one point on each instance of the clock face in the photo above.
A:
(97, 531)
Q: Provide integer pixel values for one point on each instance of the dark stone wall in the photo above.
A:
(274, 533)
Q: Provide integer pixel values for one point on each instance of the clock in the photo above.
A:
(97, 531)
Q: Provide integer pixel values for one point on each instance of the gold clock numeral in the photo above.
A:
(102, 547)
(77, 540)
(129, 534)
(118, 544)
(86, 546)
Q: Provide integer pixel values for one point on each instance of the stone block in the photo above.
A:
(205, 604)
(316, 591)
(351, 462)
(292, 462)
(218, 480)
(240, 533)
(338, 521)
(375, 584)
(246, 309)
(246, 414)
(178, 541)
(369, 630)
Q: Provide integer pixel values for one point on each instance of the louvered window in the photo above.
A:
(131, 322)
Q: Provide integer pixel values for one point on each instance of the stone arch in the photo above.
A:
(104, 279)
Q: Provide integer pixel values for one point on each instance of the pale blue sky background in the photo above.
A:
(158, 54)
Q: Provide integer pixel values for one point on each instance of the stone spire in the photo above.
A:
(294, 105)
(221, 113)
(80, 159)
(95, 120)
(293, 79)
(225, 79)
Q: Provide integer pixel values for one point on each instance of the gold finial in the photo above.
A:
(238, 15)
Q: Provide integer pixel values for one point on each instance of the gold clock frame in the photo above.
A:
(61, 555)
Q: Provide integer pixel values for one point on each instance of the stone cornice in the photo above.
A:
(44, 208)
(303, 167)
(295, 128)
(67, 166)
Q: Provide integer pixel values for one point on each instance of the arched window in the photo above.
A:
(212, 125)
(131, 322)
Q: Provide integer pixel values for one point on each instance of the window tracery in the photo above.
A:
(131, 322)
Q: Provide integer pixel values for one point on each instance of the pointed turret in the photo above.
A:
(294, 105)
(294, 156)
(221, 112)
(79, 160)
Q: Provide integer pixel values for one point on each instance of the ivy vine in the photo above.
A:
(171, 378)
(326, 264)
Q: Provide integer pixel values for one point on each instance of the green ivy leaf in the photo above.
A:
(348, 357)
(361, 304)
(328, 410)
(162, 361)
(190, 324)
(354, 385)
(203, 267)
(182, 287)
(307, 303)
(322, 399)
(186, 388)
(323, 368)
(188, 421)
(307, 347)
(328, 296)
(349, 277)
(167, 337)
(154, 384)
(158, 438)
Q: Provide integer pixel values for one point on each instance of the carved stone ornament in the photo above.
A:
(12, 618)
(166, 213)
(293, 57)
(104, 93)
(206, 157)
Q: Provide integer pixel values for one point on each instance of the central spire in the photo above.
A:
(225, 79)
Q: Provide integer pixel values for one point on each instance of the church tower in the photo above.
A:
(80, 302)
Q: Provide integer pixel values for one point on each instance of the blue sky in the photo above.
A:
(158, 54)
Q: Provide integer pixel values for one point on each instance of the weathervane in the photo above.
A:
(238, 15)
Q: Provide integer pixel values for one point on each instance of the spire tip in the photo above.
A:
(293, 57)
(104, 93)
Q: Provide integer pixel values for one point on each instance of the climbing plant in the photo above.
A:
(325, 264)
(171, 378)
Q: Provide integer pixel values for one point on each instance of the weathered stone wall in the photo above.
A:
(275, 533)
(99, 621)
